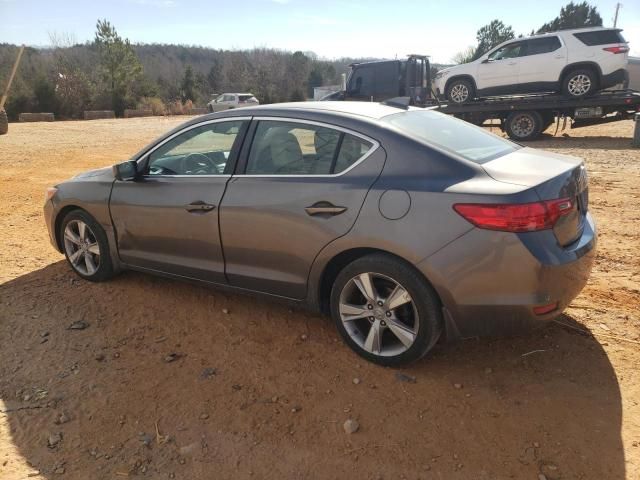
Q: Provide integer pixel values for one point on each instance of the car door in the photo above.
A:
(498, 73)
(167, 220)
(301, 185)
(540, 68)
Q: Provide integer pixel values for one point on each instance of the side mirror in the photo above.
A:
(486, 60)
(125, 171)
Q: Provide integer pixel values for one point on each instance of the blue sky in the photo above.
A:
(331, 28)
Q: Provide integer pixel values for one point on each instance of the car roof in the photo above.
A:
(562, 32)
(369, 110)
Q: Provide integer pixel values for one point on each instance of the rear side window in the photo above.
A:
(362, 82)
(387, 79)
(291, 148)
(542, 45)
(600, 37)
(451, 135)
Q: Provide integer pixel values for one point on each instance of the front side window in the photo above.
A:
(511, 50)
(290, 148)
(451, 135)
(202, 150)
(542, 45)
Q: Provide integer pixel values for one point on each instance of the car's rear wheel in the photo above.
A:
(579, 83)
(460, 91)
(86, 246)
(524, 125)
(385, 311)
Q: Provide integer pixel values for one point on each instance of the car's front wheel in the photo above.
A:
(86, 246)
(460, 91)
(385, 311)
(579, 83)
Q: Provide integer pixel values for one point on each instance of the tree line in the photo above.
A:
(110, 73)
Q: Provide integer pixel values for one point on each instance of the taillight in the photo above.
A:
(518, 217)
(616, 49)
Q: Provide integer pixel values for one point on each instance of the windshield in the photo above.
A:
(452, 135)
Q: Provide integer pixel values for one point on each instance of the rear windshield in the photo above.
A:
(600, 37)
(451, 135)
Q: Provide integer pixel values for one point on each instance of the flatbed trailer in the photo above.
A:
(525, 117)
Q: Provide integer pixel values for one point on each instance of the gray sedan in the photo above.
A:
(405, 225)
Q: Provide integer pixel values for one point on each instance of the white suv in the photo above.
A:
(576, 62)
(227, 101)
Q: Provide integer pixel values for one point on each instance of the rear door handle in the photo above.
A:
(513, 63)
(324, 209)
(199, 206)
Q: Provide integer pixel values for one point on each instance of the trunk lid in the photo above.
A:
(552, 176)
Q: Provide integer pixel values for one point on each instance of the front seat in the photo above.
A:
(279, 152)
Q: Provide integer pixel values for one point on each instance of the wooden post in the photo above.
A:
(13, 73)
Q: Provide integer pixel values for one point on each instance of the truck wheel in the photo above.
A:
(579, 83)
(4, 122)
(460, 91)
(524, 125)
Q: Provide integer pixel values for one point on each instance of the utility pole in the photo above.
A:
(615, 19)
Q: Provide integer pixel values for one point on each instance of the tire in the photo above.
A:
(579, 83)
(522, 126)
(78, 249)
(418, 321)
(460, 91)
(4, 123)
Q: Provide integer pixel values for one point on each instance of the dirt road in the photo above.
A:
(262, 391)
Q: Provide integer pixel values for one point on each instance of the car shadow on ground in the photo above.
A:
(151, 377)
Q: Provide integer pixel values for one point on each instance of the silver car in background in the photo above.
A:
(403, 224)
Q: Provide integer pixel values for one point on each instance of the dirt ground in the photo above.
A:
(260, 391)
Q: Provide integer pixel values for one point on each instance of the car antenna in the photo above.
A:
(398, 102)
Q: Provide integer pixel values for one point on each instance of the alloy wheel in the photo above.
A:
(379, 314)
(459, 93)
(579, 85)
(81, 247)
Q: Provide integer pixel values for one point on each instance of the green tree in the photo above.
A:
(188, 85)
(491, 35)
(316, 78)
(297, 74)
(119, 66)
(214, 77)
(573, 15)
(45, 94)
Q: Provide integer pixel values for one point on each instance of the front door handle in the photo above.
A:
(199, 206)
(324, 209)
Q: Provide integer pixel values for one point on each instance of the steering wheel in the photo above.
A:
(198, 164)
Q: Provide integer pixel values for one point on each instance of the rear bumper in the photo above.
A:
(614, 78)
(489, 282)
